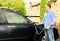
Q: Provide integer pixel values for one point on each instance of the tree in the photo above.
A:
(42, 4)
(16, 5)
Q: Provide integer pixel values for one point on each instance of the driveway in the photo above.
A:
(56, 40)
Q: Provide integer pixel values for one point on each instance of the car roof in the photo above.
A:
(7, 10)
(10, 10)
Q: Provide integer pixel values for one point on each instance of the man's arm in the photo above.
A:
(53, 18)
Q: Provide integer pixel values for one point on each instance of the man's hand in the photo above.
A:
(36, 23)
(47, 27)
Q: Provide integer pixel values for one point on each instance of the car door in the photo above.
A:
(18, 26)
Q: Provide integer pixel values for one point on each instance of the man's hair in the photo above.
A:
(48, 5)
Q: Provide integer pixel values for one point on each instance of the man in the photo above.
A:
(49, 21)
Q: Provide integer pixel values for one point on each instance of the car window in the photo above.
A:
(15, 18)
(2, 17)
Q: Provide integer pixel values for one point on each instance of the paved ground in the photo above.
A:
(56, 40)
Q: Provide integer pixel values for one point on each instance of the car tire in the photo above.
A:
(42, 38)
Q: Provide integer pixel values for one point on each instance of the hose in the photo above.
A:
(38, 33)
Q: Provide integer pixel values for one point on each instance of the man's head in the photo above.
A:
(47, 7)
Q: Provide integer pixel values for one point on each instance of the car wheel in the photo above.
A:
(42, 38)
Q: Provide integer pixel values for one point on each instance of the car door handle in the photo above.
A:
(10, 26)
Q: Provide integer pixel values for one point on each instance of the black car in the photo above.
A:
(16, 27)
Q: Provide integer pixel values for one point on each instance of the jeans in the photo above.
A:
(49, 35)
